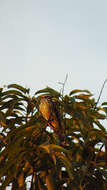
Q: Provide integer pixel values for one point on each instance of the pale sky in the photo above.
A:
(43, 40)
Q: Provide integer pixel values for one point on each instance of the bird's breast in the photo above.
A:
(45, 109)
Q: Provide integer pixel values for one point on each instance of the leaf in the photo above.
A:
(67, 164)
(56, 148)
(105, 109)
(2, 117)
(101, 164)
(104, 104)
(100, 126)
(10, 104)
(27, 147)
(96, 135)
(78, 91)
(1, 89)
(14, 92)
(49, 91)
(83, 97)
(22, 89)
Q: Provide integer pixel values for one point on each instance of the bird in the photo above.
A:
(50, 113)
(46, 107)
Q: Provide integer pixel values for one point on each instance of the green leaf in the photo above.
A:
(9, 104)
(78, 91)
(100, 126)
(104, 104)
(105, 109)
(24, 138)
(14, 92)
(18, 87)
(49, 91)
(83, 97)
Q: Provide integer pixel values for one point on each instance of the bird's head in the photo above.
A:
(37, 100)
(41, 97)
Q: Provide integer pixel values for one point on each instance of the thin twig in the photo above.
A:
(100, 93)
(63, 84)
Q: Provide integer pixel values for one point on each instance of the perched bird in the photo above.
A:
(49, 111)
(46, 107)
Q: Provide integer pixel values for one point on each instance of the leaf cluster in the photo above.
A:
(31, 156)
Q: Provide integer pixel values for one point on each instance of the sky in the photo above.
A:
(41, 41)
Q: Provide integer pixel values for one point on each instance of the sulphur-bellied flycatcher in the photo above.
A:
(49, 111)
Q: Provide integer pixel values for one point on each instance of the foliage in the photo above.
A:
(30, 155)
